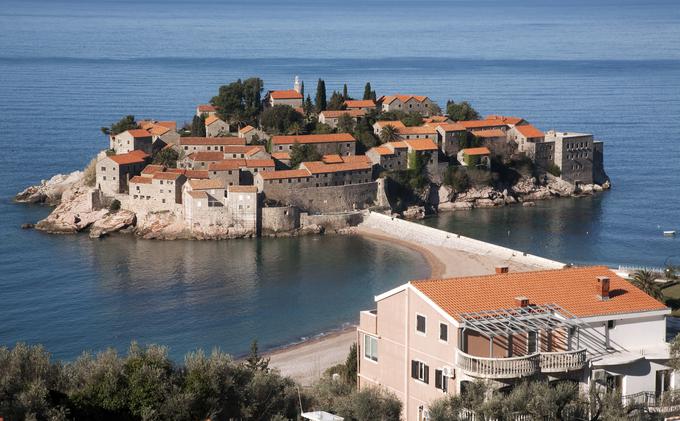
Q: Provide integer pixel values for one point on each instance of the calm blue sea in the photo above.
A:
(70, 67)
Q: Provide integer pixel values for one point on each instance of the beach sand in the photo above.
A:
(306, 361)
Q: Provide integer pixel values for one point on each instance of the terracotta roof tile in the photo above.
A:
(211, 119)
(319, 167)
(449, 127)
(200, 174)
(397, 124)
(382, 150)
(332, 159)
(480, 124)
(489, 133)
(529, 131)
(421, 144)
(226, 165)
(403, 98)
(134, 157)
(212, 183)
(477, 151)
(573, 289)
(281, 156)
(339, 113)
(275, 175)
(252, 163)
(206, 156)
(506, 119)
(242, 189)
(212, 141)
(206, 108)
(166, 176)
(139, 133)
(246, 129)
(360, 103)
(286, 94)
(313, 138)
(138, 179)
(198, 194)
(158, 130)
(152, 169)
(417, 130)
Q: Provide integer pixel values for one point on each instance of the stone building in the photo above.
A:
(366, 105)
(325, 144)
(208, 144)
(242, 206)
(246, 152)
(496, 141)
(114, 171)
(206, 110)
(289, 97)
(379, 125)
(449, 136)
(531, 142)
(387, 159)
(251, 134)
(204, 202)
(215, 127)
(131, 140)
(228, 171)
(407, 104)
(475, 157)
(162, 132)
(200, 160)
(332, 117)
(159, 191)
(416, 132)
(575, 156)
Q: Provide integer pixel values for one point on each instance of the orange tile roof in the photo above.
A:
(139, 133)
(332, 159)
(382, 150)
(212, 141)
(355, 158)
(281, 156)
(339, 113)
(449, 127)
(172, 125)
(201, 174)
(152, 169)
(477, 151)
(287, 94)
(246, 129)
(226, 165)
(211, 183)
(275, 175)
(206, 156)
(158, 130)
(403, 98)
(138, 179)
(166, 176)
(396, 145)
(573, 289)
(198, 194)
(506, 119)
(421, 144)
(360, 103)
(436, 119)
(242, 189)
(427, 130)
(529, 131)
(254, 150)
(206, 108)
(313, 138)
(134, 157)
(480, 124)
(318, 167)
(397, 124)
(252, 163)
(489, 133)
(211, 119)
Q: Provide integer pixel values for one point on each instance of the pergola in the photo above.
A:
(532, 318)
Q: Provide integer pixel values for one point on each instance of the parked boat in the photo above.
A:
(669, 233)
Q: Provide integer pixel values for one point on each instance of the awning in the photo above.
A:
(321, 416)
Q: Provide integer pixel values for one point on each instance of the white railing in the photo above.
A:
(514, 367)
(555, 362)
(499, 368)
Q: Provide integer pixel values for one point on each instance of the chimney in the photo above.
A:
(522, 301)
(602, 288)
(502, 269)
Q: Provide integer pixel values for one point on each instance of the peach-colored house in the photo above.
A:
(430, 338)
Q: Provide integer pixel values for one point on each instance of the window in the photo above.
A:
(532, 342)
(420, 371)
(371, 348)
(441, 381)
(163, 200)
(443, 332)
(103, 168)
(663, 382)
(420, 323)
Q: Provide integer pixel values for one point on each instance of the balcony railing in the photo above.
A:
(515, 367)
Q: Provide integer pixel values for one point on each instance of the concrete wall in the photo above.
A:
(418, 233)
(217, 128)
(243, 209)
(325, 199)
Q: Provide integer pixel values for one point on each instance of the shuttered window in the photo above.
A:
(420, 371)
(440, 380)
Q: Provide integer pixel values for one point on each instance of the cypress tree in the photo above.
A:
(320, 96)
(367, 90)
(302, 88)
(344, 92)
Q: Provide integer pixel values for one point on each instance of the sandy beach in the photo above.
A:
(306, 361)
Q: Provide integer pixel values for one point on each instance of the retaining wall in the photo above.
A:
(326, 199)
(410, 231)
(332, 222)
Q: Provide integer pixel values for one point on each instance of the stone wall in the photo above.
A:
(332, 222)
(326, 199)
(279, 219)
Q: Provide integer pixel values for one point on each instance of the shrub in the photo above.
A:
(479, 178)
(554, 170)
(167, 157)
(90, 173)
(115, 205)
(456, 177)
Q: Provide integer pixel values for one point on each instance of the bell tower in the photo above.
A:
(296, 85)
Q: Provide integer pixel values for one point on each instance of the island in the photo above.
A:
(281, 164)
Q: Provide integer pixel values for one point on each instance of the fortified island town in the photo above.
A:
(490, 318)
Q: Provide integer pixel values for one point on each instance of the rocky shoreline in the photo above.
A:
(78, 210)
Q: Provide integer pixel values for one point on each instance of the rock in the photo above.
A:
(27, 226)
(607, 185)
(597, 188)
(485, 203)
(162, 226)
(49, 191)
(586, 189)
(528, 204)
(541, 193)
(414, 212)
(112, 222)
(311, 229)
(74, 213)
(525, 185)
(509, 200)
(445, 194)
(560, 187)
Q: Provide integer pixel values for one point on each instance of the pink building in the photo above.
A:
(433, 337)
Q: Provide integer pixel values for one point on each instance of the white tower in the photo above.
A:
(296, 85)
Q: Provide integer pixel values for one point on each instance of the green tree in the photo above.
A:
(198, 126)
(461, 111)
(320, 96)
(166, 157)
(344, 92)
(280, 119)
(646, 281)
(412, 119)
(255, 361)
(367, 91)
(295, 128)
(456, 177)
(351, 365)
(388, 133)
(321, 128)
(345, 124)
(337, 102)
(308, 107)
(126, 123)
(302, 88)
(239, 103)
(303, 153)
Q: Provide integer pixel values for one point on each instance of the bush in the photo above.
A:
(280, 118)
(479, 178)
(115, 205)
(303, 153)
(167, 157)
(90, 173)
(554, 170)
(457, 178)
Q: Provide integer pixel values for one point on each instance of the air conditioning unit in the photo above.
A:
(599, 375)
(449, 372)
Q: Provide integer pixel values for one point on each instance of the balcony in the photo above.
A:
(517, 367)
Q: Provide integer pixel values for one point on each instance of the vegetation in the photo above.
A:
(322, 128)
(198, 126)
(345, 124)
(90, 173)
(280, 119)
(411, 119)
(114, 206)
(167, 157)
(554, 170)
(388, 134)
(126, 123)
(303, 153)
(457, 178)
(368, 93)
(345, 95)
(240, 102)
(337, 101)
(646, 281)
(320, 102)
(308, 107)
(461, 111)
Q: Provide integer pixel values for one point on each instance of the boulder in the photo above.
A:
(559, 187)
(509, 200)
(49, 191)
(311, 229)
(586, 189)
(485, 203)
(607, 185)
(112, 222)
(414, 212)
(162, 226)
(27, 226)
(597, 188)
(528, 204)
(524, 186)
(445, 194)
(74, 213)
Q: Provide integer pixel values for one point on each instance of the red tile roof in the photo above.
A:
(396, 145)
(281, 156)
(258, 163)
(417, 130)
(480, 124)
(477, 151)
(242, 189)
(318, 167)
(507, 119)
(397, 124)
(421, 144)
(382, 150)
(198, 194)
(206, 108)
(275, 175)
(529, 131)
(313, 138)
(449, 127)
(489, 133)
(332, 159)
(573, 289)
(172, 125)
(403, 98)
(139, 133)
(246, 129)
(200, 174)
(152, 169)
(166, 176)
(212, 183)
(339, 113)
(158, 130)
(287, 94)
(138, 179)
(360, 103)
(226, 165)
(206, 156)
(212, 141)
(211, 119)
(134, 157)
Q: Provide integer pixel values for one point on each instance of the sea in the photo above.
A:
(67, 68)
